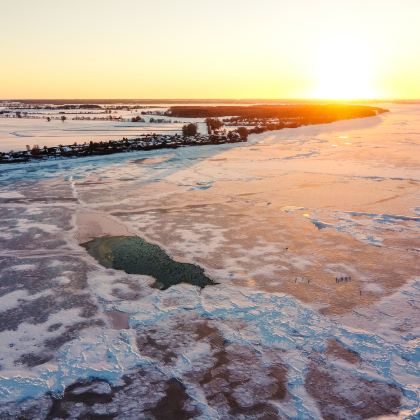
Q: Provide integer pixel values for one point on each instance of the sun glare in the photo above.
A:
(344, 71)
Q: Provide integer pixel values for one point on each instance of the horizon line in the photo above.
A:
(210, 99)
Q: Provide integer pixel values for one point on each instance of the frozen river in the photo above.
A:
(311, 234)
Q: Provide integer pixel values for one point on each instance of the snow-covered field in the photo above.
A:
(312, 234)
(16, 133)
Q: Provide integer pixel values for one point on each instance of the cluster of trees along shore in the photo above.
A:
(213, 125)
(271, 117)
(260, 118)
(305, 113)
(145, 142)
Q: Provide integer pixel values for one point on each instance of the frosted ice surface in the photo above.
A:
(274, 221)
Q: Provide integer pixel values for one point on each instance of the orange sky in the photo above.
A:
(210, 49)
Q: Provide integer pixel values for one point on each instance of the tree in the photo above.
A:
(243, 133)
(35, 150)
(63, 118)
(189, 130)
(213, 124)
(232, 136)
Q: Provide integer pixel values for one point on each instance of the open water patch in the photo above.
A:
(134, 255)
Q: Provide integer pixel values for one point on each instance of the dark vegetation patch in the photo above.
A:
(307, 113)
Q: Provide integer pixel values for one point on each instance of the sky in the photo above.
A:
(340, 49)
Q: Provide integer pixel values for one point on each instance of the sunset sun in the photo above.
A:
(344, 71)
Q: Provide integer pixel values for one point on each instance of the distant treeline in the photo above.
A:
(77, 106)
(304, 113)
(139, 101)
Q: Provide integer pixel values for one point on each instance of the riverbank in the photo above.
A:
(145, 142)
(238, 122)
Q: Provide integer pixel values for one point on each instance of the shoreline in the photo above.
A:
(145, 142)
